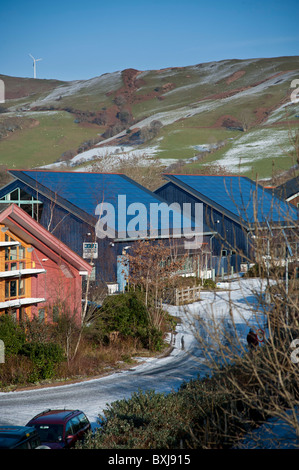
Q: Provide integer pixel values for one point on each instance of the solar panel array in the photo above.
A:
(238, 196)
(88, 190)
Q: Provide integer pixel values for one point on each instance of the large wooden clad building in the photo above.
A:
(70, 204)
(235, 208)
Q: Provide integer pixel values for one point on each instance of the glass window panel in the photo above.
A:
(41, 313)
(68, 429)
(37, 211)
(25, 196)
(13, 266)
(13, 288)
(83, 420)
(75, 424)
(27, 208)
(21, 287)
(13, 253)
(6, 289)
(21, 252)
(14, 195)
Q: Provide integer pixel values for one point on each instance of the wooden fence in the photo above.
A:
(182, 296)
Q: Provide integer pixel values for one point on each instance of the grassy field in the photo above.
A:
(44, 143)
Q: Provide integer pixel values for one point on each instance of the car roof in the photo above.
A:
(54, 416)
(12, 435)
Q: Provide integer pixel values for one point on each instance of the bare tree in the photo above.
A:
(259, 382)
(153, 266)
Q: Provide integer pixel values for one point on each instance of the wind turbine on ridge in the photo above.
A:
(34, 64)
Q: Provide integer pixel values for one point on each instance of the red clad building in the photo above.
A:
(39, 275)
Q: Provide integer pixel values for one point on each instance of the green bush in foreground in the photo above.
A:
(128, 315)
(193, 417)
(12, 335)
(45, 358)
(206, 413)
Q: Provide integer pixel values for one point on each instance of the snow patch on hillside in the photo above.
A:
(287, 111)
(104, 83)
(213, 72)
(253, 146)
(108, 158)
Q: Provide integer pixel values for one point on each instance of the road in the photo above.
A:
(161, 374)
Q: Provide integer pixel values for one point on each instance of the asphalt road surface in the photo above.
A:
(186, 361)
(92, 396)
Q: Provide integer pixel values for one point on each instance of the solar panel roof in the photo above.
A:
(88, 190)
(237, 196)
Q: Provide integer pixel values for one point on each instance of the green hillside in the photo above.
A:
(233, 114)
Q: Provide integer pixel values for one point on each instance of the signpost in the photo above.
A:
(90, 250)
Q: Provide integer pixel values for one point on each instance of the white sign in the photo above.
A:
(90, 250)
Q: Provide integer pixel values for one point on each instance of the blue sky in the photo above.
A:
(84, 39)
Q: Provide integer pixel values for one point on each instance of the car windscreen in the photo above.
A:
(49, 432)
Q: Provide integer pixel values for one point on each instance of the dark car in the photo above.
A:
(60, 429)
(19, 437)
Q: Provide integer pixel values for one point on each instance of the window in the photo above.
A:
(75, 424)
(32, 206)
(22, 313)
(13, 314)
(50, 432)
(83, 420)
(21, 287)
(41, 313)
(14, 288)
(14, 256)
(14, 260)
(68, 429)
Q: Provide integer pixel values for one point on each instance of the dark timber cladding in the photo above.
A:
(65, 204)
(233, 206)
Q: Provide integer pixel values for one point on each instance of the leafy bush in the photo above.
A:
(128, 315)
(45, 357)
(209, 284)
(148, 420)
(198, 416)
(256, 271)
(11, 334)
(194, 417)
